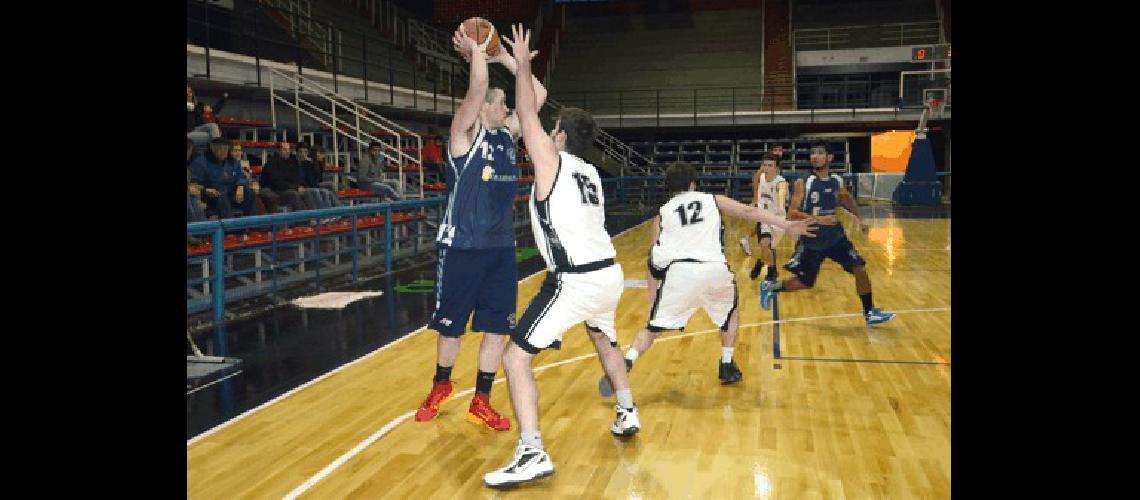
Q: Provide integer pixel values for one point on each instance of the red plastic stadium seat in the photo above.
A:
(406, 168)
(354, 193)
(199, 249)
(435, 186)
(243, 121)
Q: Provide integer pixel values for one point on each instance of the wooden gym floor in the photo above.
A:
(827, 409)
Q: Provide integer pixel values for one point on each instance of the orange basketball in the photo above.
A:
(479, 29)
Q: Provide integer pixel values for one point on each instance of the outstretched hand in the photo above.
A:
(519, 43)
(799, 228)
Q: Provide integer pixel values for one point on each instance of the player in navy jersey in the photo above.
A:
(816, 199)
(477, 270)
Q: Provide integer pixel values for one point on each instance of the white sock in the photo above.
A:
(625, 398)
(532, 439)
(726, 354)
(631, 354)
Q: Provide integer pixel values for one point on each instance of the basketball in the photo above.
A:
(479, 29)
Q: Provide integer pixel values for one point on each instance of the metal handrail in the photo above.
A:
(890, 34)
(356, 111)
(612, 146)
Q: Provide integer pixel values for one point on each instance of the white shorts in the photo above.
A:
(689, 285)
(567, 299)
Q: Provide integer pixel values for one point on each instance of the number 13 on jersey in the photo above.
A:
(588, 190)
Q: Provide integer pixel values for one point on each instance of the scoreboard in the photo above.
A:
(930, 53)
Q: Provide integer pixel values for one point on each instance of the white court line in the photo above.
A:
(196, 389)
(251, 411)
(325, 472)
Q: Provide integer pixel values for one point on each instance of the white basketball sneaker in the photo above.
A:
(529, 463)
(627, 423)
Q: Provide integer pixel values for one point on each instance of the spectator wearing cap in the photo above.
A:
(320, 192)
(370, 173)
(221, 181)
(281, 182)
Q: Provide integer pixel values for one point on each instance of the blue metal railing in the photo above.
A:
(620, 189)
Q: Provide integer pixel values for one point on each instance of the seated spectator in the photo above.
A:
(201, 122)
(321, 194)
(370, 174)
(281, 182)
(195, 209)
(194, 205)
(238, 154)
(221, 180)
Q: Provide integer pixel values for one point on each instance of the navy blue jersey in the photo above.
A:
(481, 188)
(821, 197)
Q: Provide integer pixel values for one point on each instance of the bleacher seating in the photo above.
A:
(602, 55)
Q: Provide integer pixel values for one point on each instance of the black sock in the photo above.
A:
(867, 304)
(442, 373)
(771, 273)
(756, 269)
(483, 382)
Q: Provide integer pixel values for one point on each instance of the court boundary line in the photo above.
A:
(196, 389)
(355, 450)
(228, 422)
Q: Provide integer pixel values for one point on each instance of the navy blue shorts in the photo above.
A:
(805, 262)
(484, 281)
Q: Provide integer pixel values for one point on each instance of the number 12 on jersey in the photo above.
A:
(695, 208)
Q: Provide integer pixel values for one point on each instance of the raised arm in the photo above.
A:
(460, 140)
(509, 62)
(737, 209)
(539, 145)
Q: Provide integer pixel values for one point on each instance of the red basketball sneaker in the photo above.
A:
(481, 412)
(440, 393)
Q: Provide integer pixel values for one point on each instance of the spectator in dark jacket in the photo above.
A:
(194, 205)
(320, 193)
(370, 173)
(201, 122)
(222, 181)
(281, 182)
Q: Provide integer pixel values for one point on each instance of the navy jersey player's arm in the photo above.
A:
(729, 206)
(512, 121)
(848, 202)
(468, 112)
(794, 211)
(539, 145)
